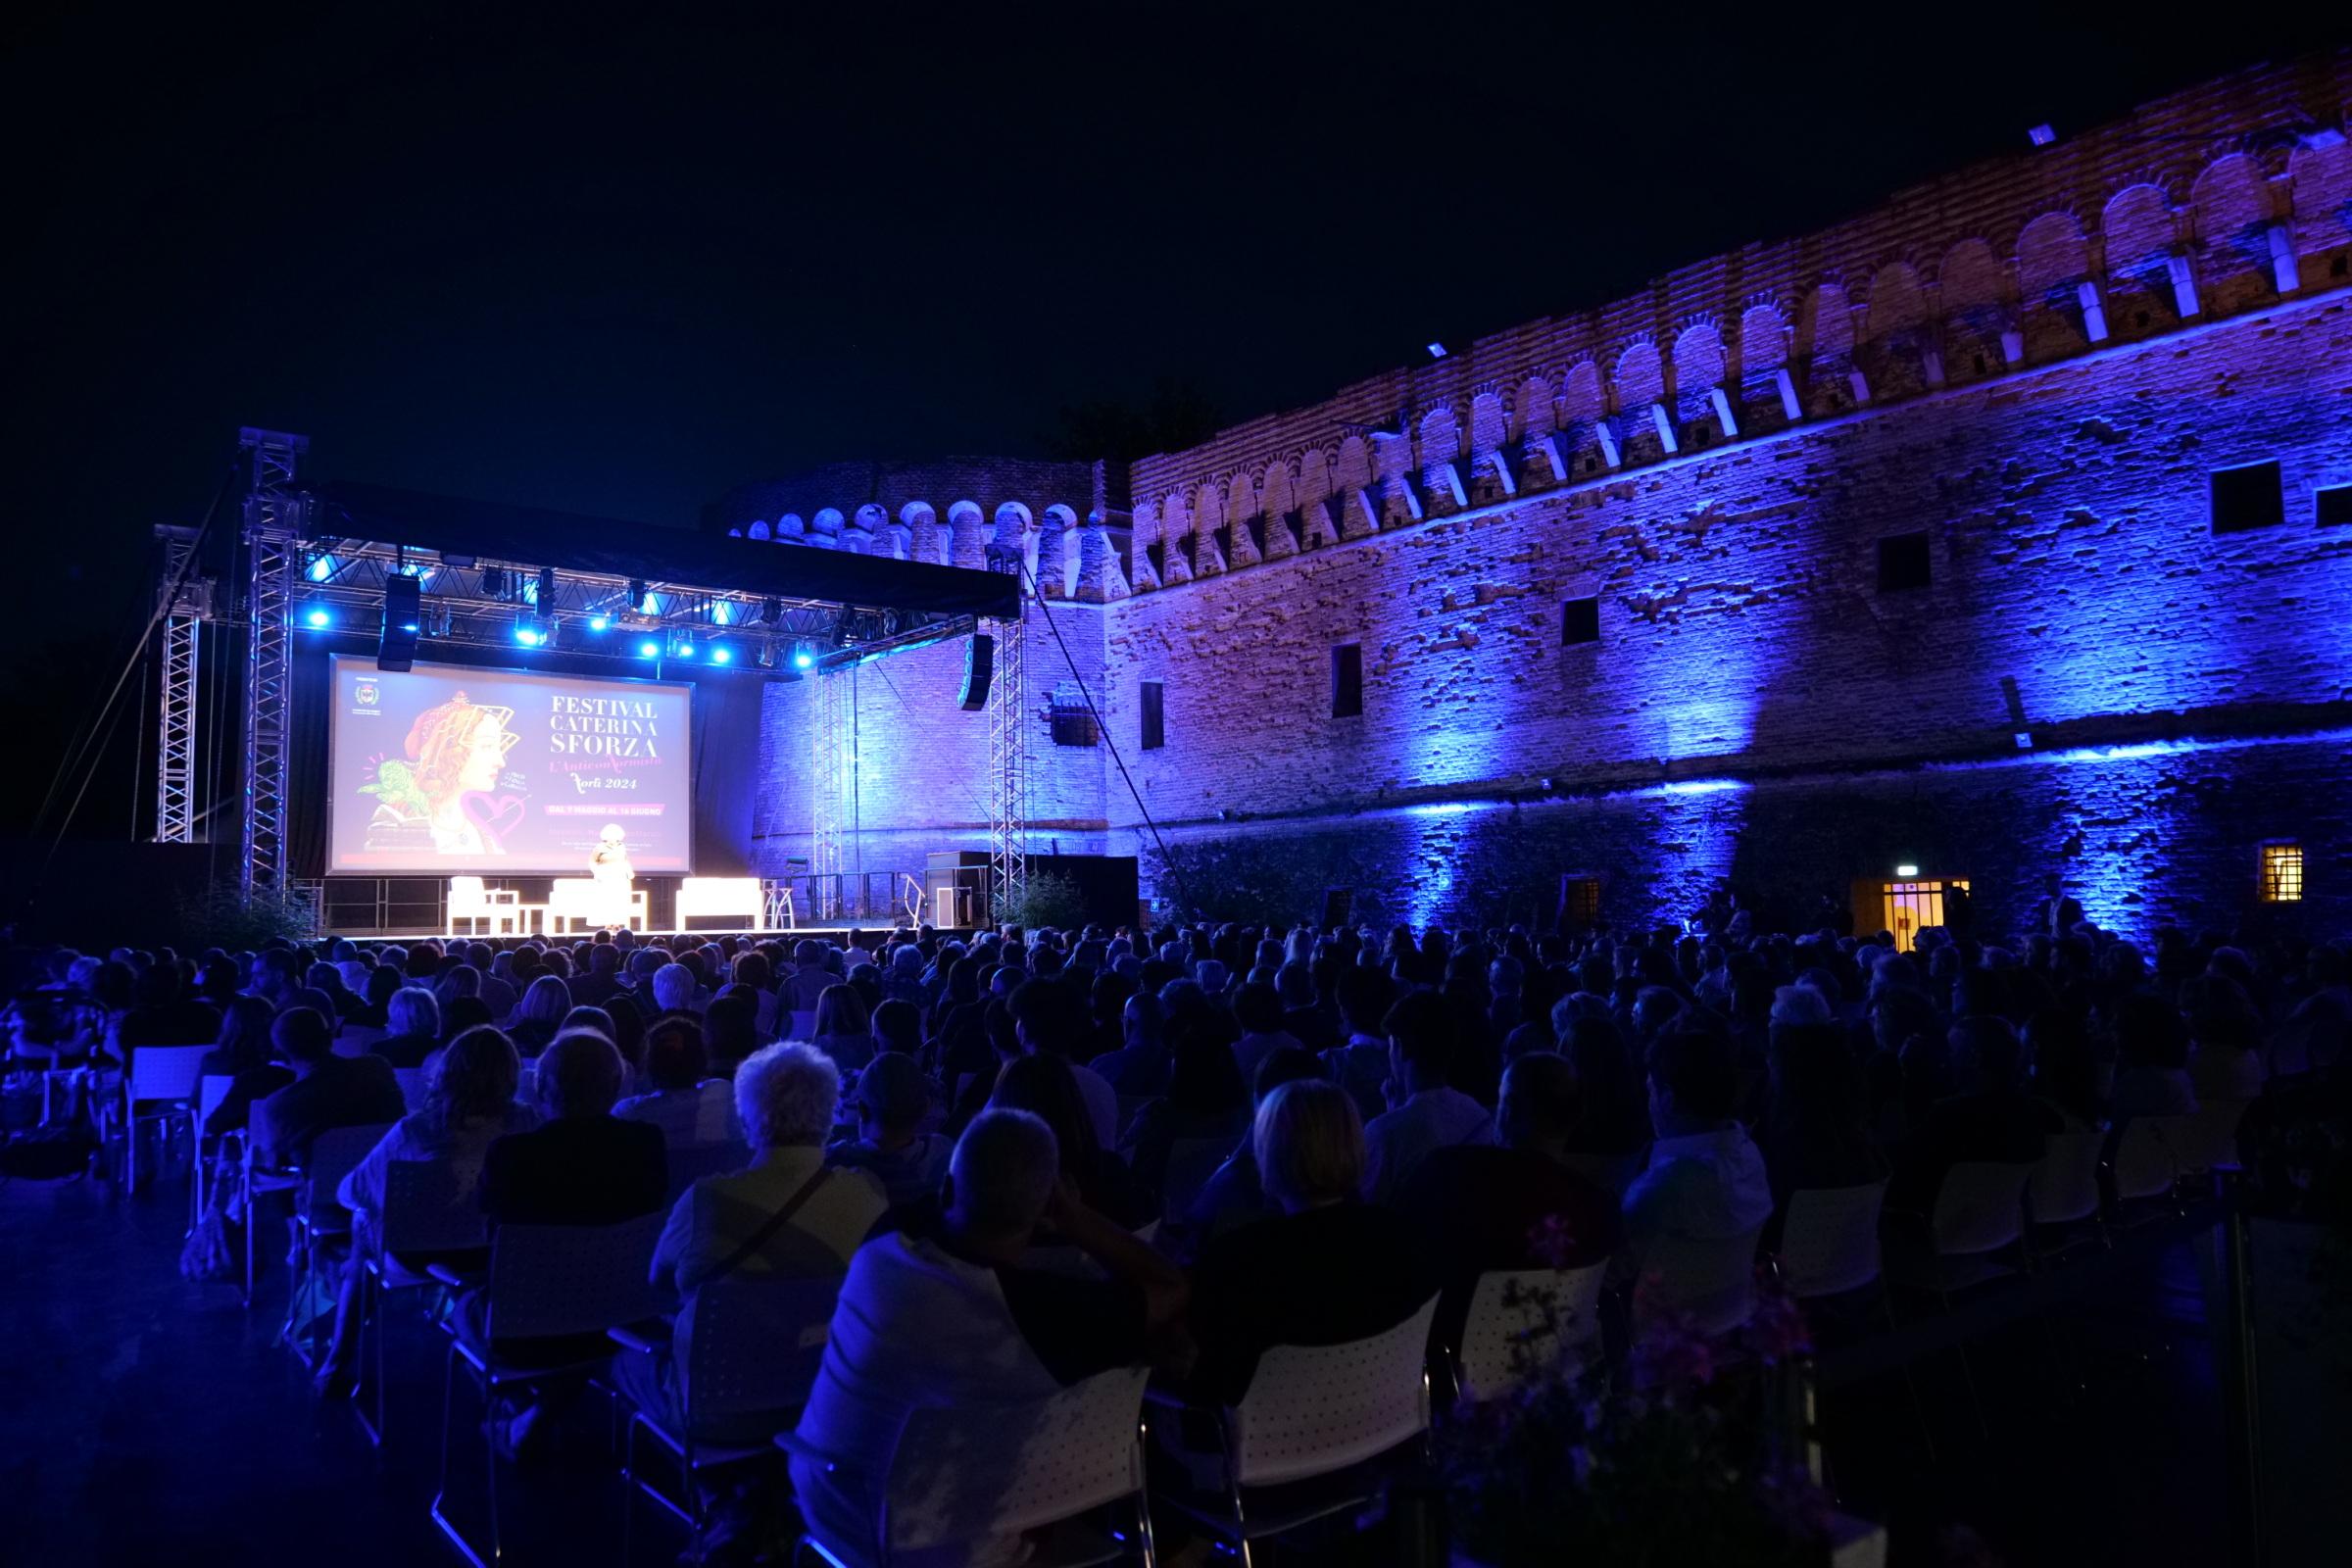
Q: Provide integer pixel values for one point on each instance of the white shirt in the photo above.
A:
(1707, 1187)
(1101, 1103)
(1396, 1141)
(719, 1213)
(916, 1328)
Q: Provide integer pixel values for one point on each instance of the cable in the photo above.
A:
(109, 711)
(1177, 871)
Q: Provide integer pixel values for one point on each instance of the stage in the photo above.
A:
(837, 934)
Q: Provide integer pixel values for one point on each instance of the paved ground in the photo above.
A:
(144, 1419)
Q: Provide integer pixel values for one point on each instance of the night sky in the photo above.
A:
(620, 258)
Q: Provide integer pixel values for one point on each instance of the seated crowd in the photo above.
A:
(1035, 1156)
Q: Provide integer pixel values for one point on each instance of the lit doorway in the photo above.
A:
(1907, 906)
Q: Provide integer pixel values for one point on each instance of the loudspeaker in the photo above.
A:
(396, 646)
(979, 667)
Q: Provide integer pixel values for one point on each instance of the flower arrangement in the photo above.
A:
(1665, 1463)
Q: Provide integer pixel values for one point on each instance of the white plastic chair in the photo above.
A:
(1830, 1239)
(741, 1349)
(2065, 1188)
(426, 1211)
(1318, 1411)
(160, 1075)
(211, 1092)
(474, 901)
(735, 897)
(967, 1474)
(1710, 1281)
(1503, 1344)
(545, 1281)
(2147, 1160)
(319, 1218)
(1979, 1210)
(2216, 1122)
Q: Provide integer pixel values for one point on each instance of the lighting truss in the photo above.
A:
(274, 515)
(175, 703)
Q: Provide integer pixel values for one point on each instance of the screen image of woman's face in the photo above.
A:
(484, 755)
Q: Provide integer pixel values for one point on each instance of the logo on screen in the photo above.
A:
(365, 695)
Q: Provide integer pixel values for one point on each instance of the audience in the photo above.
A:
(844, 1027)
(411, 1027)
(1706, 1180)
(893, 1099)
(785, 1095)
(1991, 1117)
(243, 1055)
(689, 1106)
(1046, 1086)
(949, 1316)
(327, 1092)
(1425, 1113)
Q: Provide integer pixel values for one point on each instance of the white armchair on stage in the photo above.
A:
(470, 901)
(592, 903)
(731, 898)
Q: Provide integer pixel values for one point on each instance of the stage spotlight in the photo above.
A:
(649, 649)
(546, 601)
(599, 622)
(684, 650)
(769, 612)
(720, 654)
(494, 582)
(803, 659)
(318, 615)
(763, 657)
(323, 568)
(528, 635)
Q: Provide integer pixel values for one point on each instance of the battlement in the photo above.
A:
(2227, 198)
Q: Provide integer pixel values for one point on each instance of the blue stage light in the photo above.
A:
(719, 653)
(684, 650)
(598, 622)
(528, 636)
(803, 660)
(323, 568)
(318, 615)
(649, 649)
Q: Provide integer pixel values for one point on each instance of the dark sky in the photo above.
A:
(619, 257)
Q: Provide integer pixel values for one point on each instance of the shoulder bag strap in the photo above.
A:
(775, 1222)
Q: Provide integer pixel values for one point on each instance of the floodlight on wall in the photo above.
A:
(1906, 871)
(2041, 135)
(1436, 351)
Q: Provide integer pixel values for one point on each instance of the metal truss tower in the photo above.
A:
(1008, 766)
(827, 782)
(272, 526)
(175, 703)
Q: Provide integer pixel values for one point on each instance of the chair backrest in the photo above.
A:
(966, 1474)
(2151, 1154)
(2216, 1132)
(571, 1279)
(210, 1094)
(467, 895)
(751, 1345)
(572, 895)
(690, 1163)
(334, 1155)
(2066, 1183)
(427, 1209)
(412, 1085)
(1712, 1280)
(1981, 1207)
(1507, 1311)
(1191, 1161)
(1829, 1239)
(165, 1072)
(1313, 1409)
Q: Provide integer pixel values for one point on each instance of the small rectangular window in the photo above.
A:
(1579, 902)
(1579, 621)
(1155, 723)
(1072, 720)
(2247, 497)
(2281, 873)
(2334, 504)
(1904, 563)
(1347, 680)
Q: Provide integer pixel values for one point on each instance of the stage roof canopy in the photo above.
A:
(610, 546)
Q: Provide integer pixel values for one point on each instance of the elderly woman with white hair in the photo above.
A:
(785, 1095)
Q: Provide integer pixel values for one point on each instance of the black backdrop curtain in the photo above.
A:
(726, 748)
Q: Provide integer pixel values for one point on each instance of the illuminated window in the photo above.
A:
(1580, 903)
(1911, 905)
(2281, 873)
